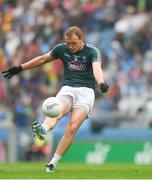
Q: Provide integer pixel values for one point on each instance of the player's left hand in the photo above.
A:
(104, 87)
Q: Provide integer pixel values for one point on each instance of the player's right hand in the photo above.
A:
(12, 71)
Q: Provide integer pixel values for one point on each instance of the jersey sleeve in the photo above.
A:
(56, 51)
(95, 55)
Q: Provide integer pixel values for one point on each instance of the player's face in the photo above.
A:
(74, 43)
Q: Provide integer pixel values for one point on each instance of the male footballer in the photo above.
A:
(82, 67)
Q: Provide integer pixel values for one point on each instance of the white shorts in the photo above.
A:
(81, 97)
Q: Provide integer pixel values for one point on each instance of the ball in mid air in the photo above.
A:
(52, 107)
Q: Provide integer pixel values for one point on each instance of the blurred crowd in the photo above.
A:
(121, 29)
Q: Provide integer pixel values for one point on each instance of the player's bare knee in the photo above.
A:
(70, 131)
(73, 128)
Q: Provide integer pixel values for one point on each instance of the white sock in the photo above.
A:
(45, 127)
(55, 159)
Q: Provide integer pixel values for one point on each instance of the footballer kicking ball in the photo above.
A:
(52, 107)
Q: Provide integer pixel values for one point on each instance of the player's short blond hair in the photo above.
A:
(74, 30)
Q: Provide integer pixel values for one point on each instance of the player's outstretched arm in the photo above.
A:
(98, 74)
(35, 62)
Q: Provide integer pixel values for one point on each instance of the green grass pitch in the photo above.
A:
(75, 171)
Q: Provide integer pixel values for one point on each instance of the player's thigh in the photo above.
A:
(85, 99)
(78, 116)
(66, 104)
